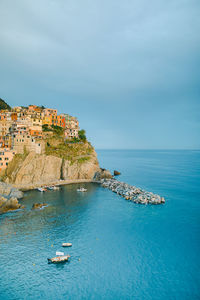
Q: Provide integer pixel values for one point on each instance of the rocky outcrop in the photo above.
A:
(9, 204)
(116, 173)
(101, 174)
(39, 205)
(8, 191)
(9, 196)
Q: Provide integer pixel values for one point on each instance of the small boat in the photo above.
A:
(42, 189)
(66, 244)
(56, 188)
(59, 253)
(58, 259)
(50, 187)
(81, 190)
(53, 188)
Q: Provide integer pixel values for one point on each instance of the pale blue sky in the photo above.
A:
(129, 70)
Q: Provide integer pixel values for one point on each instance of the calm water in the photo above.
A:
(121, 250)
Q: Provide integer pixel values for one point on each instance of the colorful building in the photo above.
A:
(6, 155)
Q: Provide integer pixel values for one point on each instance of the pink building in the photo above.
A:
(6, 155)
(50, 111)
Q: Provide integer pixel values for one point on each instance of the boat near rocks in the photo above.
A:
(58, 259)
(132, 193)
(53, 188)
(66, 244)
(42, 189)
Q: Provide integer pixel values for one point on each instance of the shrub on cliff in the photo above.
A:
(82, 135)
(4, 105)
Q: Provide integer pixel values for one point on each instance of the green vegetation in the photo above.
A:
(4, 105)
(74, 152)
(13, 165)
(82, 135)
(57, 130)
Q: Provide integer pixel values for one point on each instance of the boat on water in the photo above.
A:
(56, 188)
(58, 259)
(81, 190)
(42, 189)
(66, 244)
(53, 188)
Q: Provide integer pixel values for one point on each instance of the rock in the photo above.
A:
(9, 204)
(8, 197)
(39, 205)
(102, 174)
(132, 193)
(116, 173)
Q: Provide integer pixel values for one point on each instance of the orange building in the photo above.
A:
(58, 121)
(35, 131)
(32, 107)
(47, 120)
(14, 116)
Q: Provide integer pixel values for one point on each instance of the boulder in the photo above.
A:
(9, 204)
(116, 173)
(102, 174)
(39, 205)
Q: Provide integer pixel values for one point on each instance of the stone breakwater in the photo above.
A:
(130, 192)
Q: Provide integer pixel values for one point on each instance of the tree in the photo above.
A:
(4, 105)
(82, 135)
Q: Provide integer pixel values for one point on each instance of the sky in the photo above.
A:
(129, 70)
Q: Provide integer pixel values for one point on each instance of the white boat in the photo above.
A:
(53, 188)
(50, 187)
(41, 189)
(66, 244)
(59, 253)
(56, 188)
(81, 190)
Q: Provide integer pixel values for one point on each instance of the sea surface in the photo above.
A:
(121, 250)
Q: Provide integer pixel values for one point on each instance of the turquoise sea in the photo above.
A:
(121, 250)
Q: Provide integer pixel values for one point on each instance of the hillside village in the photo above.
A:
(26, 128)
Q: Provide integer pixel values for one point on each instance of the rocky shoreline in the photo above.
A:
(9, 196)
(131, 193)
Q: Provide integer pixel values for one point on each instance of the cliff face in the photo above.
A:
(34, 169)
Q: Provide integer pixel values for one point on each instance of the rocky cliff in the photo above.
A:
(33, 169)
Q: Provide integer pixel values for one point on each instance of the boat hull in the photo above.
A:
(66, 244)
(58, 259)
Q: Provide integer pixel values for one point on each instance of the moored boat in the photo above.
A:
(58, 259)
(42, 189)
(82, 190)
(66, 244)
